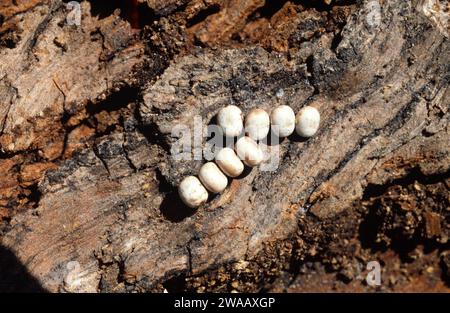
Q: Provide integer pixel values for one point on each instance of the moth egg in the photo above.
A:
(192, 192)
(229, 162)
(307, 121)
(283, 121)
(213, 178)
(249, 151)
(257, 124)
(230, 119)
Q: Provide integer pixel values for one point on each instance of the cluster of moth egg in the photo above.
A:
(212, 177)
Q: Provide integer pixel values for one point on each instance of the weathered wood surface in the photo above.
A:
(382, 88)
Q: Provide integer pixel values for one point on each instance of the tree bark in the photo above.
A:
(89, 198)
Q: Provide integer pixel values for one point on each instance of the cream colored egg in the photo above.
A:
(282, 119)
(230, 119)
(192, 192)
(257, 124)
(249, 151)
(307, 121)
(229, 162)
(213, 178)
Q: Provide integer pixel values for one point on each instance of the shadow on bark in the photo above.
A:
(14, 276)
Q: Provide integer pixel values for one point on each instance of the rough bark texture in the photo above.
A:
(88, 199)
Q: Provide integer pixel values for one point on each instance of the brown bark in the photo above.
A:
(87, 113)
